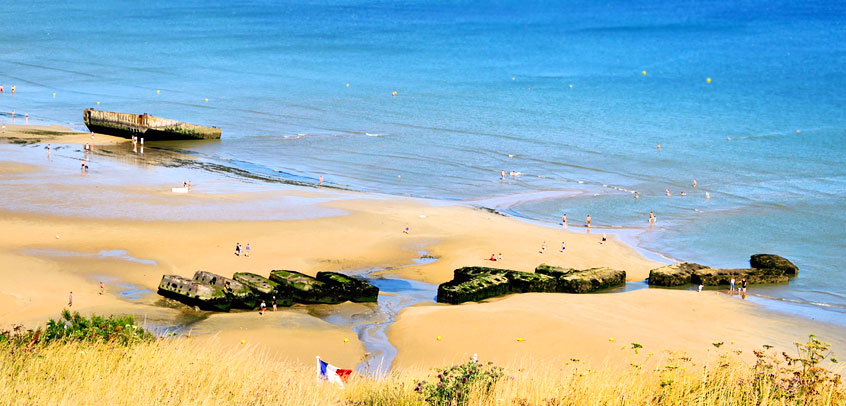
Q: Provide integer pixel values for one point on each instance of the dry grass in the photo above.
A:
(181, 372)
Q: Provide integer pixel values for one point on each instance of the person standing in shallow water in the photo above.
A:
(588, 221)
(564, 220)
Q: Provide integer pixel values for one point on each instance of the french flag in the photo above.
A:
(331, 373)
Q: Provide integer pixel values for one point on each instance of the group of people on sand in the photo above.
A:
(263, 306)
(239, 250)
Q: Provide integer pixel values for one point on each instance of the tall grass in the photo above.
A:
(180, 371)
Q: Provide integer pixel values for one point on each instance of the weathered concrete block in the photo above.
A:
(715, 277)
(554, 271)
(591, 280)
(304, 288)
(194, 293)
(265, 289)
(241, 295)
(675, 274)
(518, 282)
(348, 287)
(478, 288)
(771, 261)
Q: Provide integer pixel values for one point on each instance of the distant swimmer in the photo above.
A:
(668, 191)
(637, 196)
(651, 218)
(1, 89)
(658, 147)
(13, 89)
(728, 138)
(588, 221)
(683, 193)
(707, 195)
(502, 175)
(694, 184)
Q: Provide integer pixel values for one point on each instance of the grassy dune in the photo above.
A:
(181, 372)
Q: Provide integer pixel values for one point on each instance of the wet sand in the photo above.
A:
(119, 223)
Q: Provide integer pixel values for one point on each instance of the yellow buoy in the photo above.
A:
(98, 103)
(439, 338)
(243, 341)
(54, 94)
(207, 99)
(520, 339)
(158, 91)
(514, 78)
(644, 73)
(394, 93)
(708, 80)
(348, 85)
(346, 340)
(611, 339)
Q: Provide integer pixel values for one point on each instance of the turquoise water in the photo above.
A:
(487, 87)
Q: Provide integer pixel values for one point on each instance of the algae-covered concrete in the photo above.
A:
(194, 293)
(241, 295)
(349, 288)
(304, 288)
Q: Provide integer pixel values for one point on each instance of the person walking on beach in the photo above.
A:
(274, 303)
(102, 288)
(499, 257)
(588, 221)
(70, 299)
(743, 285)
(731, 286)
(238, 249)
(543, 248)
(247, 250)
(604, 239)
(262, 308)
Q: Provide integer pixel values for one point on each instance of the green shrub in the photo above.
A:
(455, 384)
(74, 327)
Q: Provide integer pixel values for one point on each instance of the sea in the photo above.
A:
(433, 99)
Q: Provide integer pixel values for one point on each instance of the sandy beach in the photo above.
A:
(66, 231)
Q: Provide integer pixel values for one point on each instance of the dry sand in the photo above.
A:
(43, 257)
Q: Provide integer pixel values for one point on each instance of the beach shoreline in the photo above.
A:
(63, 237)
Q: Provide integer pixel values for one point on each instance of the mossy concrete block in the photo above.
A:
(771, 261)
(304, 288)
(478, 288)
(194, 293)
(591, 280)
(265, 289)
(554, 271)
(518, 282)
(242, 296)
(675, 274)
(348, 287)
(716, 277)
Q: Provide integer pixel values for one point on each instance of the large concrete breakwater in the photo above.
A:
(145, 126)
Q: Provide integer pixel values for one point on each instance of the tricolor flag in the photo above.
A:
(328, 372)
